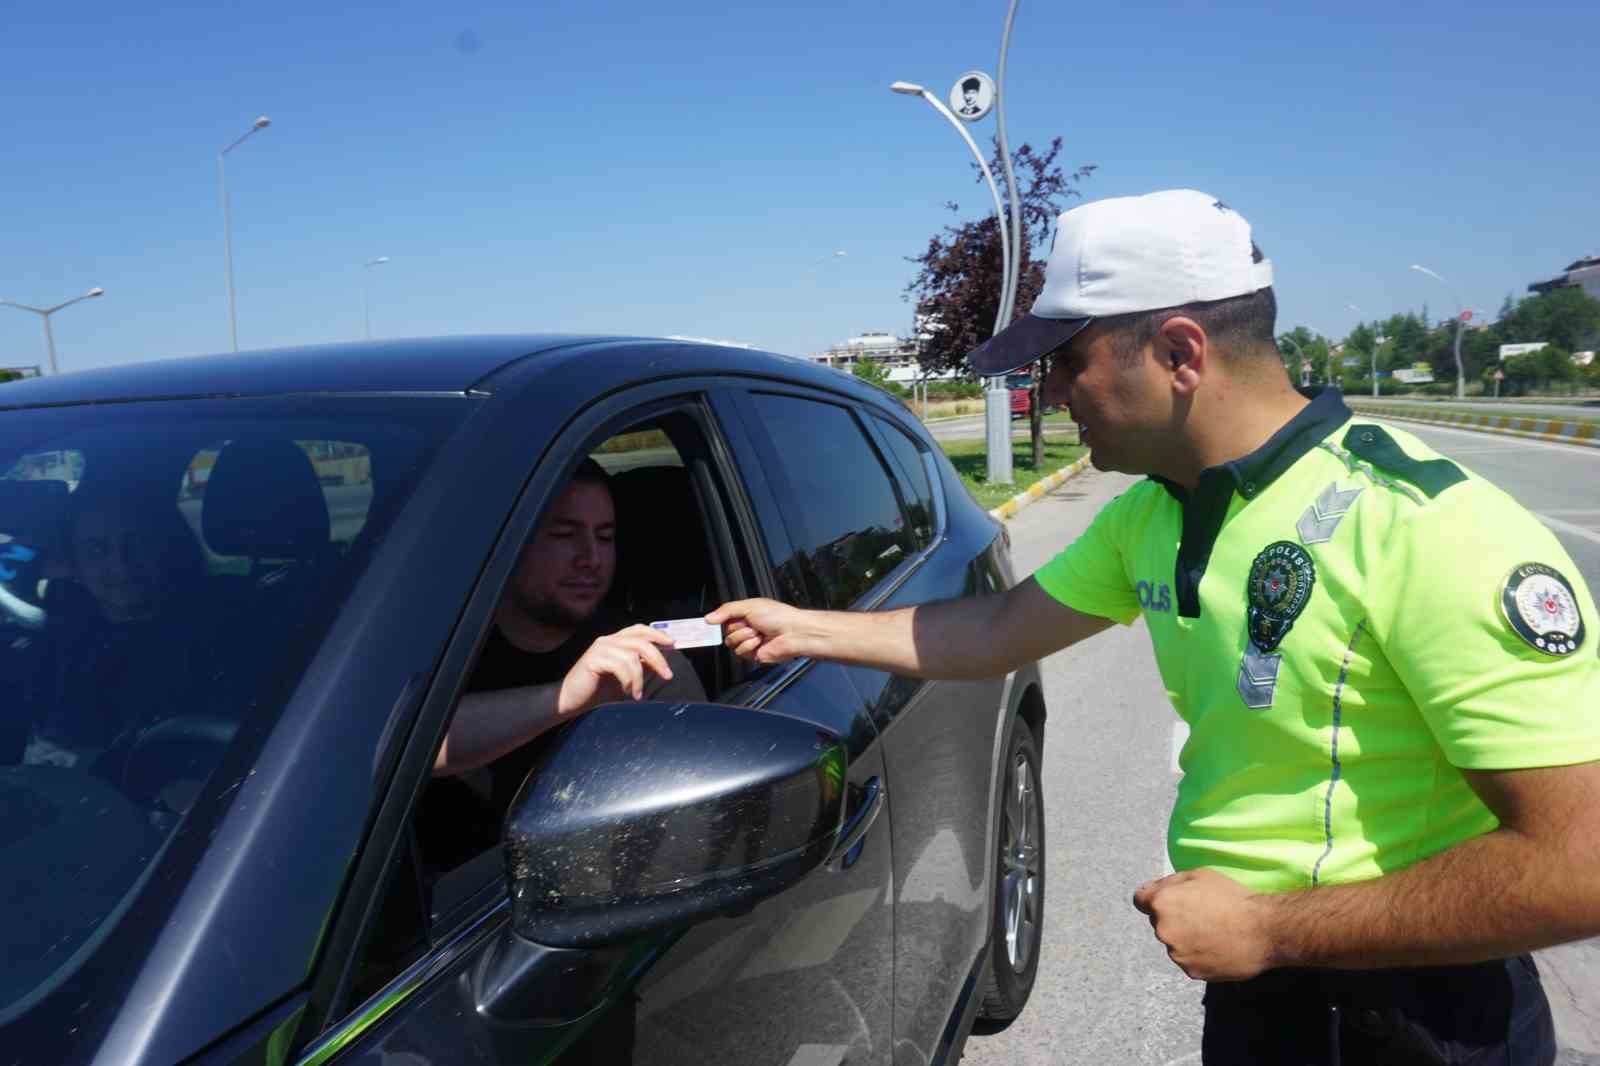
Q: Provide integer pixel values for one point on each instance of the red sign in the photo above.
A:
(1466, 316)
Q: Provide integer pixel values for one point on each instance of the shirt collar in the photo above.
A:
(1251, 474)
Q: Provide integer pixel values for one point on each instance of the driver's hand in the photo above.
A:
(613, 669)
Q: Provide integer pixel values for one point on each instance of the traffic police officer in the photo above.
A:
(1391, 787)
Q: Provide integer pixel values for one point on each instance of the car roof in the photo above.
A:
(435, 365)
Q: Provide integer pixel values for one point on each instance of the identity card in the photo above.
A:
(690, 632)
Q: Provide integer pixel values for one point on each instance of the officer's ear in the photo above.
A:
(1182, 347)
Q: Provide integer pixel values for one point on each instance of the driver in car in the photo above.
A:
(121, 640)
(554, 652)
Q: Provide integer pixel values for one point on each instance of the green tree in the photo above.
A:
(1313, 348)
(1568, 318)
(875, 373)
(9, 375)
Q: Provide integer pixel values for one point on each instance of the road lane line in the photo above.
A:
(1180, 737)
(1567, 527)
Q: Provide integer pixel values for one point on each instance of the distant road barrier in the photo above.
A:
(1551, 429)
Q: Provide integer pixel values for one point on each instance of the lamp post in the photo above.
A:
(997, 401)
(46, 312)
(366, 291)
(1363, 314)
(1305, 366)
(227, 223)
(1461, 325)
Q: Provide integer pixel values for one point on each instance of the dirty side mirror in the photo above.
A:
(642, 817)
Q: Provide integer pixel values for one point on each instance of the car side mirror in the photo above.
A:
(640, 817)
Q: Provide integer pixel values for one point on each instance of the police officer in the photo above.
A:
(1391, 789)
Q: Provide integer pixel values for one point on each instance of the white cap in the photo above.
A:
(1128, 254)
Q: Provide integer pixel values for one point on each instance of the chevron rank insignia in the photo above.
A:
(1316, 526)
(1258, 677)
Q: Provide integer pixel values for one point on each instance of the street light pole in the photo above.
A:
(997, 418)
(227, 223)
(46, 312)
(1363, 314)
(366, 291)
(1305, 366)
(1461, 324)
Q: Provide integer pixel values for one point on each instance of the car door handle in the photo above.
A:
(860, 821)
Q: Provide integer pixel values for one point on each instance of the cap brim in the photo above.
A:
(1024, 341)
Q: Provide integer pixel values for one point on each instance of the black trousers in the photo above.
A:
(1486, 1014)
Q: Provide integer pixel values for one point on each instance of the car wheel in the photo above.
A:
(1016, 927)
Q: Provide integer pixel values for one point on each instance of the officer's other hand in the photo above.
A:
(613, 669)
(761, 630)
(1212, 927)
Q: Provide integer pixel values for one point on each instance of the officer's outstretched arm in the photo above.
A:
(973, 637)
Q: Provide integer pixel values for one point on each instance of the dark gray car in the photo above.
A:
(240, 597)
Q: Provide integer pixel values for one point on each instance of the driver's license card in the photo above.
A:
(690, 632)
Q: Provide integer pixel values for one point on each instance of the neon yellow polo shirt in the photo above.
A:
(1345, 620)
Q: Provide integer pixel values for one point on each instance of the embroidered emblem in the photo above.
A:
(1323, 516)
(1541, 608)
(1258, 677)
(1277, 590)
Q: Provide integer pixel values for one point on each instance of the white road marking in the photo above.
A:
(1567, 527)
(819, 1055)
(1180, 737)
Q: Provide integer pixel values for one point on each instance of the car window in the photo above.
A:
(168, 570)
(661, 564)
(839, 505)
(911, 475)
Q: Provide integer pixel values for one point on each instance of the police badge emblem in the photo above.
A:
(1280, 583)
(1541, 608)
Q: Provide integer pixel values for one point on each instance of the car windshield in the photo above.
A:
(166, 571)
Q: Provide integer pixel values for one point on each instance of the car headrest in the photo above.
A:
(662, 552)
(263, 500)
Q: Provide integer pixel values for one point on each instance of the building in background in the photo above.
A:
(1584, 274)
(893, 352)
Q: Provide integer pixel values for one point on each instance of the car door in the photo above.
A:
(859, 495)
(801, 977)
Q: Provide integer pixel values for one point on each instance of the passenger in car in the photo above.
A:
(554, 652)
(121, 643)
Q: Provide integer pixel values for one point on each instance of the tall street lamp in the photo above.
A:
(366, 291)
(227, 224)
(1461, 325)
(1363, 315)
(996, 432)
(1305, 366)
(46, 312)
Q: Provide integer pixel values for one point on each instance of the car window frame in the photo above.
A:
(333, 1020)
(764, 452)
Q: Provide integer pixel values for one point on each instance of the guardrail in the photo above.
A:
(1551, 429)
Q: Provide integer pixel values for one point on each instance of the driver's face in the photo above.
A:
(116, 561)
(567, 568)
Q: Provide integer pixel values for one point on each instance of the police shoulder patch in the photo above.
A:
(1279, 586)
(1540, 607)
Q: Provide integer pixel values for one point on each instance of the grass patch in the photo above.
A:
(969, 460)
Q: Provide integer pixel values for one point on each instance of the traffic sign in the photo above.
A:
(1466, 316)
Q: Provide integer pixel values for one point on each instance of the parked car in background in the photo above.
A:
(241, 597)
(1019, 385)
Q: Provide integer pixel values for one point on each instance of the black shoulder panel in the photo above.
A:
(1371, 443)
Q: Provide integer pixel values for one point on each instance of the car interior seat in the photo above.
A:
(264, 503)
(664, 557)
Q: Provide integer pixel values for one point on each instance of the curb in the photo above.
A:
(1547, 429)
(1039, 488)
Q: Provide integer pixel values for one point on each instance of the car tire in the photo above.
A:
(1016, 924)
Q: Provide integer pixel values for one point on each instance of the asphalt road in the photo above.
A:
(1106, 992)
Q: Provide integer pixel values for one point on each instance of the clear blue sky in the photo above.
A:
(690, 168)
